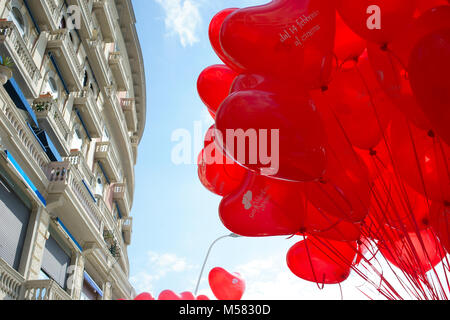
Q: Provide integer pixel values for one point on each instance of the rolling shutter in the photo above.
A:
(14, 218)
(55, 261)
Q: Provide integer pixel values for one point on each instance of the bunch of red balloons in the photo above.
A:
(169, 295)
(358, 92)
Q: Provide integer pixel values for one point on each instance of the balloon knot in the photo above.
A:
(302, 230)
(431, 134)
(359, 242)
(322, 181)
(372, 153)
(384, 47)
(324, 88)
(446, 203)
(425, 221)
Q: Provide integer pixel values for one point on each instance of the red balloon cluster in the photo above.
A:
(358, 94)
(225, 285)
(169, 295)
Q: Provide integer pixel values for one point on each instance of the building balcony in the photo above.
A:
(104, 18)
(106, 154)
(25, 145)
(12, 44)
(63, 52)
(44, 290)
(127, 229)
(85, 103)
(129, 111)
(10, 282)
(118, 70)
(99, 64)
(77, 160)
(73, 202)
(51, 120)
(122, 198)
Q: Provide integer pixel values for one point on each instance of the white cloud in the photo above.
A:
(158, 266)
(183, 19)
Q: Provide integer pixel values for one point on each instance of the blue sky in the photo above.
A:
(175, 218)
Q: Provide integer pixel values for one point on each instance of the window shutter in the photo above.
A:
(14, 218)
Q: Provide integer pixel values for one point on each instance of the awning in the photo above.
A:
(93, 284)
(25, 177)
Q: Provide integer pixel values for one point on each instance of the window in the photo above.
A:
(18, 19)
(105, 134)
(52, 87)
(99, 186)
(77, 139)
(86, 78)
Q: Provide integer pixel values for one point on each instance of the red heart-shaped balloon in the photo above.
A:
(214, 85)
(225, 285)
(440, 221)
(378, 21)
(169, 295)
(214, 36)
(414, 253)
(144, 296)
(217, 172)
(289, 39)
(264, 207)
(322, 261)
(288, 128)
(187, 296)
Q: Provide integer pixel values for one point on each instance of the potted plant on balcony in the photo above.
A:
(6, 65)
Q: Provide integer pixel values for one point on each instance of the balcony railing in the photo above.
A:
(10, 282)
(44, 290)
(62, 176)
(129, 111)
(24, 139)
(84, 101)
(118, 70)
(52, 121)
(12, 42)
(67, 58)
(78, 161)
(121, 196)
(107, 155)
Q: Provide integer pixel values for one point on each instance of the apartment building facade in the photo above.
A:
(72, 114)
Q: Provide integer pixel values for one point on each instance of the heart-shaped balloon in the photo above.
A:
(169, 295)
(277, 135)
(429, 68)
(217, 172)
(264, 207)
(214, 85)
(214, 36)
(322, 261)
(323, 225)
(378, 21)
(226, 285)
(421, 159)
(288, 39)
(187, 296)
(415, 253)
(440, 221)
(358, 102)
(145, 296)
